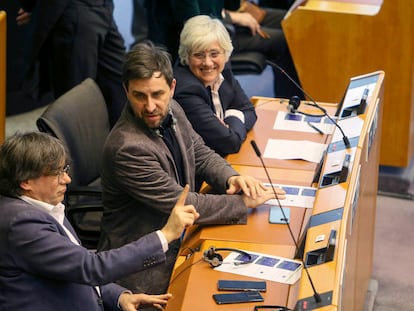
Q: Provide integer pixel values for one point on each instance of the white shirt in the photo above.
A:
(217, 102)
(216, 98)
(58, 212)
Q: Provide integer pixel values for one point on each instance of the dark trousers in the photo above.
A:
(85, 42)
(276, 50)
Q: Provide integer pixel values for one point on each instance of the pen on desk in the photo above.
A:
(363, 102)
(316, 128)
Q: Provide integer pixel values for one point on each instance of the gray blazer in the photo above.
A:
(140, 187)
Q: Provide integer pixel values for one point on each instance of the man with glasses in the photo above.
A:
(210, 95)
(42, 265)
(150, 154)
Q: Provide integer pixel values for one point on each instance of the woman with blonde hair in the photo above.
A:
(211, 97)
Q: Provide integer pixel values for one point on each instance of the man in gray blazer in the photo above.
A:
(42, 265)
(150, 154)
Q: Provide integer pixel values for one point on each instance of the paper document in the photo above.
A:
(351, 126)
(294, 149)
(296, 196)
(267, 267)
(353, 95)
(301, 123)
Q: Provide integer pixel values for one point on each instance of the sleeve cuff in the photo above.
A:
(124, 292)
(235, 113)
(163, 240)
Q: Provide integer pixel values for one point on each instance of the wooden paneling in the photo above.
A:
(2, 75)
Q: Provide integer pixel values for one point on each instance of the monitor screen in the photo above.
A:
(356, 95)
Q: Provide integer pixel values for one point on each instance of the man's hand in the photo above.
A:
(249, 185)
(131, 302)
(254, 192)
(23, 17)
(245, 19)
(182, 216)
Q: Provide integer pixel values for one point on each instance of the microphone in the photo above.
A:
(316, 295)
(314, 104)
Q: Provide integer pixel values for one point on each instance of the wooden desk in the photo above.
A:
(343, 280)
(267, 109)
(2, 75)
(331, 41)
(194, 281)
(347, 275)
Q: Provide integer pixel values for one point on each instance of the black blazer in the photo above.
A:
(198, 105)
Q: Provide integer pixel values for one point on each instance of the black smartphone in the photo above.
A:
(238, 297)
(242, 285)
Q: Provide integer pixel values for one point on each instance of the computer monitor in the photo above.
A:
(355, 98)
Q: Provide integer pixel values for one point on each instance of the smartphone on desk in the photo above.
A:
(238, 297)
(277, 217)
(241, 285)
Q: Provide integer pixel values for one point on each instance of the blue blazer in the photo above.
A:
(41, 269)
(198, 105)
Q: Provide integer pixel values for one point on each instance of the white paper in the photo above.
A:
(294, 149)
(296, 196)
(335, 160)
(263, 266)
(299, 123)
(351, 126)
(353, 95)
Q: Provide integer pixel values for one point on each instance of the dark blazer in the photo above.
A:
(198, 105)
(140, 188)
(41, 269)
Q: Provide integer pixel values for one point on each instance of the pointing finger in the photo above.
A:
(183, 195)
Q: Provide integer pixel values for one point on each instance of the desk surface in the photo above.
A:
(267, 109)
(198, 280)
(194, 281)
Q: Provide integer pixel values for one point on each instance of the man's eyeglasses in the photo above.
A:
(211, 54)
(63, 171)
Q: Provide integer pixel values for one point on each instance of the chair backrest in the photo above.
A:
(248, 62)
(79, 118)
(245, 62)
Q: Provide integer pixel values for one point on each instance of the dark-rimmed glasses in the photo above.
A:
(211, 54)
(62, 172)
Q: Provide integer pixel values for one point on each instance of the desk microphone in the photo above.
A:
(314, 104)
(316, 295)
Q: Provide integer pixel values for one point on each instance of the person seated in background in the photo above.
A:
(213, 100)
(150, 155)
(69, 41)
(42, 265)
(264, 35)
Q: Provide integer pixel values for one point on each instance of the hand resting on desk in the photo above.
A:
(254, 191)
